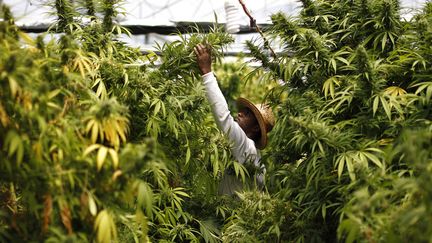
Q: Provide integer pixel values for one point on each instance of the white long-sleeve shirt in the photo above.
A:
(243, 148)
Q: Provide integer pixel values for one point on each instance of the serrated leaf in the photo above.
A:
(157, 108)
(92, 205)
(95, 132)
(215, 165)
(20, 153)
(53, 93)
(239, 169)
(126, 78)
(14, 144)
(209, 230)
(188, 155)
(341, 164)
(101, 155)
(394, 91)
(323, 211)
(105, 227)
(377, 150)
(343, 60)
(351, 227)
(89, 125)
(350, 167)
(114, 157)
(384, 41)
(26, 38)
(328, 87)
(386, 107)
(333, 64)
(390, 35)
(374, 159)
(13, 86)
(375, 105)
(90, 148)
(179, 191)
(53, 105)
(143, 222)
(145, 197)
(101, 90)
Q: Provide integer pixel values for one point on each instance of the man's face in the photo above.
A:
(247, 120)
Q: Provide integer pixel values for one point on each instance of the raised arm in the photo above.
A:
(243, 148)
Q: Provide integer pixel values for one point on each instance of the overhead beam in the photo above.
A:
(176, 27)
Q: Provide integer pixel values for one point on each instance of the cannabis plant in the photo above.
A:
(353, 108)
(98, 146)
(101, 143)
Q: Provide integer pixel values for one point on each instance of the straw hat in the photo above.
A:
(264, 116)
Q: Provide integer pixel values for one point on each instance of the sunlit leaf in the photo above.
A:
(105, 227)
(92, 205)
(386, 107)
(114, 157)
(91, 148)
(101, 155)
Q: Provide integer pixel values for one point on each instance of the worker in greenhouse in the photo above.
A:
(247, 132)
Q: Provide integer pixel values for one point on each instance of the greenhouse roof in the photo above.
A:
(159, 13)
(155, 21)
(169, 12)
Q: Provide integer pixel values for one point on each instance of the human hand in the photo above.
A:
(203, 55)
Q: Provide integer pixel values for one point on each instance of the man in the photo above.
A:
(247, 133)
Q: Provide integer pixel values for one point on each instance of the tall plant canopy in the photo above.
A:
(99, 143)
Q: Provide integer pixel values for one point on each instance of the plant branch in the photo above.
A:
(253, 24)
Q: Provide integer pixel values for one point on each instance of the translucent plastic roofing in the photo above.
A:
(160, 12)
(164, 12)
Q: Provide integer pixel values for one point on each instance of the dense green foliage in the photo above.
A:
(352, 149)
(99, 143)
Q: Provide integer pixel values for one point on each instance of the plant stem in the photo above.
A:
(253, 24)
